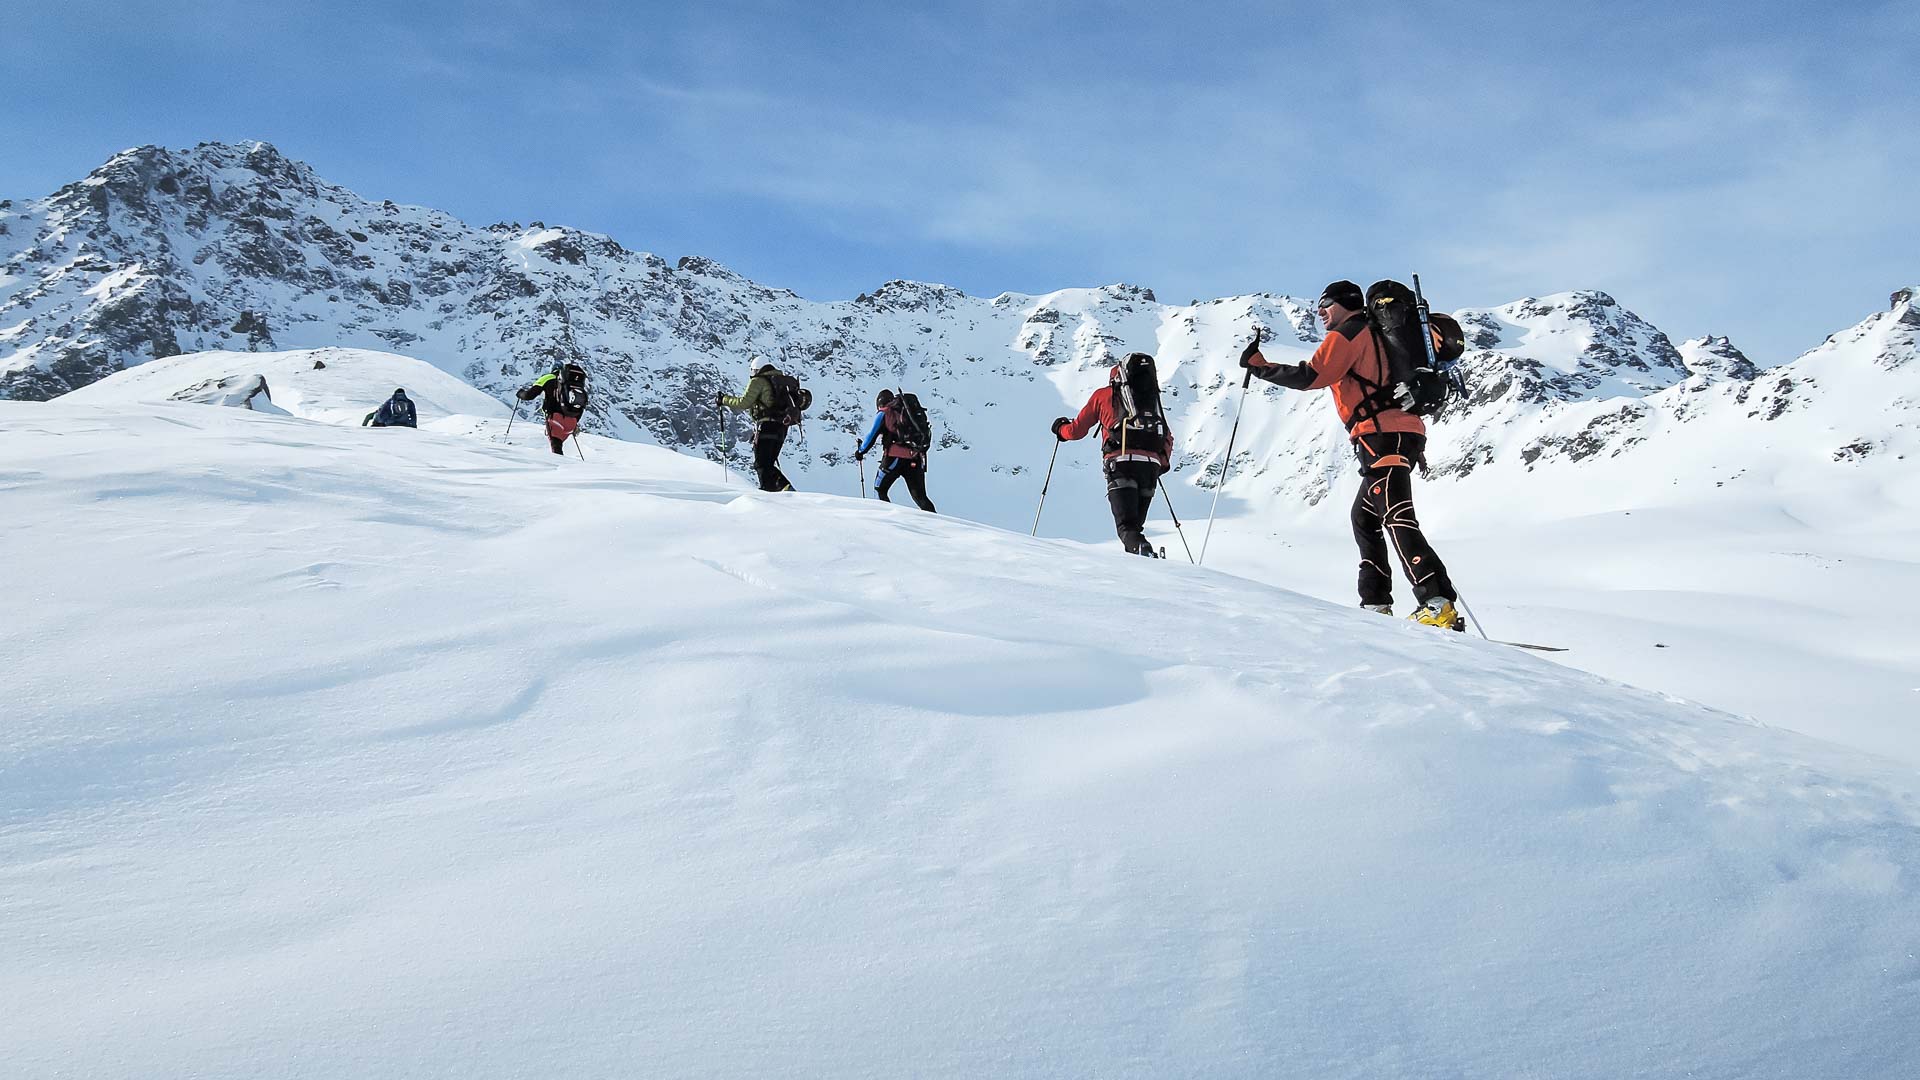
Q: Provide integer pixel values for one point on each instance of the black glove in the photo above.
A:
(859, 455)
(720, 397)
(1252, 350)
(1057, 425)
(527, 393)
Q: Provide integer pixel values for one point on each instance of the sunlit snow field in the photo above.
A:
(337, 752)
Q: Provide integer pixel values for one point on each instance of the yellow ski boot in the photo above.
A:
(1439, 611)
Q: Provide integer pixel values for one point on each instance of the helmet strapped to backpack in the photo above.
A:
(1453, 338)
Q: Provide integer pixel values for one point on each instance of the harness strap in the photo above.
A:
(1378, 398)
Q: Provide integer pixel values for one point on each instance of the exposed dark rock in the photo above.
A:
(259, 337)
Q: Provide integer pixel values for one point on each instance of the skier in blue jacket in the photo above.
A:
(901, 460)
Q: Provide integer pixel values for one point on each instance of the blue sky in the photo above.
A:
(1740, 169)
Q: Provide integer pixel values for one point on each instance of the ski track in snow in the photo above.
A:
(343, 752)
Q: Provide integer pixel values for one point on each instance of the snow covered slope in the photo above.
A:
(337, 752)
(338, 386)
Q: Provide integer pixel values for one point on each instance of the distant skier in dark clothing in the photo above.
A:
(563, 398)
(396, 411)
(1389, 442)
(905, 444)
(1136, 443)
(760, 400)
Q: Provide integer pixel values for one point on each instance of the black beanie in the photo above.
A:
(1346, 294)
(884, 399)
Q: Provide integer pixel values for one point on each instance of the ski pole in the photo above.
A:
(511, 419)
(1043, 487)
(576, 445)
(1168, 499)
(858, 460)
(720, 439)
(1228, 463)
(1462, 601)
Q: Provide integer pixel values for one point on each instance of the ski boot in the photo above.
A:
(1378, 609)
(1439, 611)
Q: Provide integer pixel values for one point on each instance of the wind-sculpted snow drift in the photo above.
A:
(339, 752)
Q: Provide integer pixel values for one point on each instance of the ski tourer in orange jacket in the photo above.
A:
(1390, 442)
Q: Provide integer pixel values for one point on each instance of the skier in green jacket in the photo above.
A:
(760, 401)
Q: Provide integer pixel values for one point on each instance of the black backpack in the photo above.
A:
(1420, 378)
(570, 390)
(1136, 401)
(790, 399)
(911, 427)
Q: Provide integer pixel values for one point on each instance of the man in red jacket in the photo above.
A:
(1389, 441)
(1136, 443)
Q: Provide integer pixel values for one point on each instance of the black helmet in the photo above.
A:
(400, 391)
(883, 399)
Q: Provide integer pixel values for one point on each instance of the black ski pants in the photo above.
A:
(1130, 487)
(1383, 512)
(913, 471)
(768, 438)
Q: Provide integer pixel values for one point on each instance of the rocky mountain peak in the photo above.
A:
(705, 267)
(901, 295)
(1717, 358)
(1571, 345)
(1122, 291)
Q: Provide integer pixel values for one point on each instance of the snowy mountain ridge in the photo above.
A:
(226, 247)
